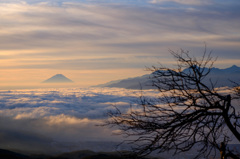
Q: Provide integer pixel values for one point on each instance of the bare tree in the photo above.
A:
(188, 113)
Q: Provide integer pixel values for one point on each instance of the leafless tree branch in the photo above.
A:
(187, 112)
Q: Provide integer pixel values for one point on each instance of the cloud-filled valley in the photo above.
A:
(90, 103)
(53, 120)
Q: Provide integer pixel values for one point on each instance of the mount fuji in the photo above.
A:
(58, 78)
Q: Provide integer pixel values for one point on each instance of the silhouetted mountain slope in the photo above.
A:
(86, 154)
(5, 154)
(133, 83)
(75, 155)
(219, 77)
(58, 78)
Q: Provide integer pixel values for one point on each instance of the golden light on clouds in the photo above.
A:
(95, 42)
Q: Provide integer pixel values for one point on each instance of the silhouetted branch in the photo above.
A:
(188, 113)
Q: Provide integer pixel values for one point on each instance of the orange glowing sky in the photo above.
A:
(93, 42)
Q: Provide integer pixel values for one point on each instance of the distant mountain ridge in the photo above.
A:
(58, 78)
(81, 154)
(6, 154)
(219, 76)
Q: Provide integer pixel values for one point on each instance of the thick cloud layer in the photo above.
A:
(52, 120)
(80, 103)
(61, 120)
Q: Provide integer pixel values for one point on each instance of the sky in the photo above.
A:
(96, 41)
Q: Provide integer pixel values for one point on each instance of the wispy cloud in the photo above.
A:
(186, 2)
(79, 35)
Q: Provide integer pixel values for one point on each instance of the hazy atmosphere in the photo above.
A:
(93, 42)
(57, 58)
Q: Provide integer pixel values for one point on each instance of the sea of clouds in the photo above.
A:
(52, 121)
(60, 120)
